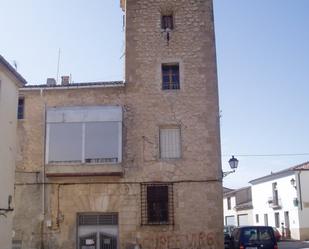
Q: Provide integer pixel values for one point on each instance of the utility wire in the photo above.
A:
(266, 155)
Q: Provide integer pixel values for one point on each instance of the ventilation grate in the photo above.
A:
(98, 219)
(16, 244)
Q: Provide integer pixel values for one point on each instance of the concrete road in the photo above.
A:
(293, 245)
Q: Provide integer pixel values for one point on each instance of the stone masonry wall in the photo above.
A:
(196, 176)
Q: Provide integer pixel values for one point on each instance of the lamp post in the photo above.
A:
(233, 162)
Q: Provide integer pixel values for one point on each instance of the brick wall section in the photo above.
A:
(196, 176)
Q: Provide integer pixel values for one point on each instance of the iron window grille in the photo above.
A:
(21, 108)
(167, 22)
(170, 77)
(157, 204)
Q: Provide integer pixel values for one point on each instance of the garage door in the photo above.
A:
(243, 220)
(230, 221)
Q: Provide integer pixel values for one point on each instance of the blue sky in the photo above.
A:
(262, 50)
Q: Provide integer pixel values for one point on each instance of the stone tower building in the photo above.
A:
(133, 164)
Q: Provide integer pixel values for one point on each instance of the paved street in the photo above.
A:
(293, 245)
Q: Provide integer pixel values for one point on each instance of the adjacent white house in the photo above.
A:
(10, 81)
(281, 200)
(237, 207)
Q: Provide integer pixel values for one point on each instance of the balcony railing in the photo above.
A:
(274, 203)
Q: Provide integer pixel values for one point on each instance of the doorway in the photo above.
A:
(287, 224)
(97, 231)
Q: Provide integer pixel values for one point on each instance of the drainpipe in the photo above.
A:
(43, 176)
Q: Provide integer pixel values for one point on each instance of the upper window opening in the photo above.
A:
(78, 135)
(170, 77)
(21, 108)
(170, 143)
(229, 206)
(167, 22)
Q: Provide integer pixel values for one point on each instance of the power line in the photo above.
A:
(267, 155)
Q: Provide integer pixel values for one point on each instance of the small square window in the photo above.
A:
(167, 22)
(170, 77)
(21, 108)
(170, 143)
(157, 204)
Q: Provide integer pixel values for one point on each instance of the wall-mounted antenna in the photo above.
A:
(15, 64)
(58, 65)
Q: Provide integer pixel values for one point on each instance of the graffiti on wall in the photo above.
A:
(199, 240)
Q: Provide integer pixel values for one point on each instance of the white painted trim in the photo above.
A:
(69, 87)
(47, 143)
(84, 114)
(83, 141)
(120, 142)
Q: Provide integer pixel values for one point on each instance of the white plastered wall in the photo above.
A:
(262, 192)
(8, 124)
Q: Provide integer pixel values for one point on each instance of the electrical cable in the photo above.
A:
(266, 155)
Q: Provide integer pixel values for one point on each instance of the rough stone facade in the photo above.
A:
(47, 207)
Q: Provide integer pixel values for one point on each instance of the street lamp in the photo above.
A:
(293, 183)
(233, 162)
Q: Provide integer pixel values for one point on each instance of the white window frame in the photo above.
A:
(180, 143)
(84, 115)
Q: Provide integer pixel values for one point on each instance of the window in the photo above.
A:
(229, 203)
(21, 108)
(157, 204)
(167, 22)
(266, 219)
(91, 135)
(170, 143)
(277, 220)
(170, 77)
(275, 194)
(257, 220)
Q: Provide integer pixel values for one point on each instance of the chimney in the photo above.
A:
(50, 82)
(65, 80)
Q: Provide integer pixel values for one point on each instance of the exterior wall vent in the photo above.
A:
(98, 219)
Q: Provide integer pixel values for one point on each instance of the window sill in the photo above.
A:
(83, 170)
(170, 159)
(158, 224)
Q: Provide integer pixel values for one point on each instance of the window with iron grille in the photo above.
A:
(157, 204)
(170, 77)
(167, 22)
(21, 108)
